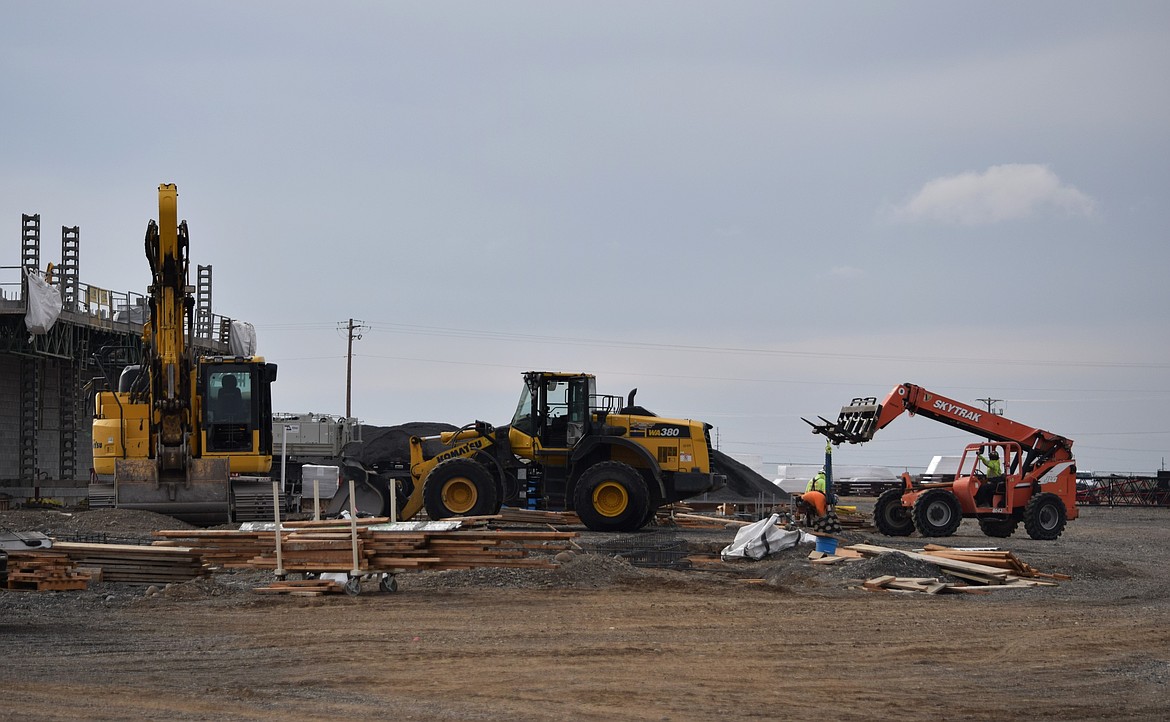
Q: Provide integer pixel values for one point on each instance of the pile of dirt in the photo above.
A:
(97, 525)
(890, 563)
(579, 571)
(387, 446)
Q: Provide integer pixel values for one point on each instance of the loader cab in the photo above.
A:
(554, 408)
(236, 398)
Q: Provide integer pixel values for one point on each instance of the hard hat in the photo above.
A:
(995, 454)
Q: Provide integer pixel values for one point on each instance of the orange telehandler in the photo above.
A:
(1038, 485)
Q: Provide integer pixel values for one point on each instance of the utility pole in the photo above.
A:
(353, 329)
(990, 403)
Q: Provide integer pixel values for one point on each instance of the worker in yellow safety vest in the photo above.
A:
(994, 478)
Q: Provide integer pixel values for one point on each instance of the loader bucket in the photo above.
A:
(200, 497)
(856, 423)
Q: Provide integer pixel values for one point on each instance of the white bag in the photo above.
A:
(44, 304)
(242, 339)
(759, 539)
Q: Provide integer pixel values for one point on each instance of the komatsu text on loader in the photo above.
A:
(1038, 486)
(176, 427)
(566, 449)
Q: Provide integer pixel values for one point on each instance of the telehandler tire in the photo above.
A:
(460, 487)
(890, 517)
(1000, 528)
(936, 512)
(612, 496)
(1045, 516)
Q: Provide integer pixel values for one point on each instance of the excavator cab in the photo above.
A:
(236, 401)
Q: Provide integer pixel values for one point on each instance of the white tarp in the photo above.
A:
(44, 304)
(242, 339)
(759, 539)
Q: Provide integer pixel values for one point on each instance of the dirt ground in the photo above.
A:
(599, 639)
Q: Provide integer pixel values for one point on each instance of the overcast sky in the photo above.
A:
(751, 211)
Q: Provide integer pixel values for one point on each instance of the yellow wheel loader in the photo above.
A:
(566, 449)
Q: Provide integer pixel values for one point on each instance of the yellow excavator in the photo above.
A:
(177, 427)
(567, 449)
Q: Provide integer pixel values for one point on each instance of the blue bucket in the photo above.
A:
(827, 544)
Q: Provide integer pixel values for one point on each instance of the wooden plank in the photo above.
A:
(949, 564)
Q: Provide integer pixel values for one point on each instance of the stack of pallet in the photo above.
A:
(44, 570)
(327, 547)
(127, 563)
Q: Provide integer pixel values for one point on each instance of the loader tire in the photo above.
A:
(1000, 528)
(460, 487)
(890, 516)
(612, 496)
(936, 513)
(1045, 516)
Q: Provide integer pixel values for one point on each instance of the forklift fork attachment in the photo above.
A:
(856, 424)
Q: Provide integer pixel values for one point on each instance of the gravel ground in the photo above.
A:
(599, 638)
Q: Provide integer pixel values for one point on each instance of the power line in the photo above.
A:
(560, 340)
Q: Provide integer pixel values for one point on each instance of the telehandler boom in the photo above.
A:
(1039, 480)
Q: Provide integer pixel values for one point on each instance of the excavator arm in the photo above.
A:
(164, 336)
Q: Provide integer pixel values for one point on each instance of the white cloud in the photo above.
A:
(1008, 192)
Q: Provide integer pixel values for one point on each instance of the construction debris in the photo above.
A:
(981, 570)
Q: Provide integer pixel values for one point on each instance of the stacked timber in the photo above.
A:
(328, 546)
(302, 588)
(1000, 559)
(131, 564)
(44, 570)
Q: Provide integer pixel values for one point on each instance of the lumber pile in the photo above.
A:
(302, 588)
(699, 521)
(933, 585)
(982, 570)
(44, 570)
(327, 546)
(536, 516)
(131, 564)
(990, 557)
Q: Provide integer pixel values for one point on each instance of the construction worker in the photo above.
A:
(817, 483)
(994, 477)
(814, 493)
